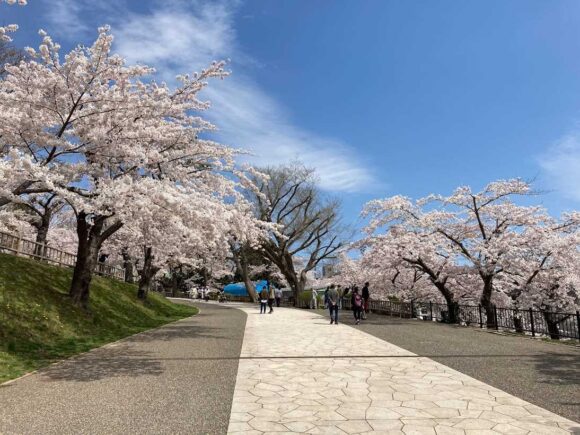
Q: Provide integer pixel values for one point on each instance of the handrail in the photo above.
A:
(29, 248)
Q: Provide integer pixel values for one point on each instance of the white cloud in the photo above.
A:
(561, 166)
(175, 40)
(65, 16)
(183, 36)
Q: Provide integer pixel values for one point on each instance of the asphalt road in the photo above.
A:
(177, 379)
(545, 374)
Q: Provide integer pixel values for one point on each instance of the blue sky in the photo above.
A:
(381, 97)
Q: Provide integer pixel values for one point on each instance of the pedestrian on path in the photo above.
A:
(271, 297)
(263, 300)
(333, 300)
(278, 293)
(366, 296)
(356, 302)
(314, 300)
(340, 292)
(326, 297)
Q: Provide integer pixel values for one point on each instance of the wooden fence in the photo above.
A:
(29, 248)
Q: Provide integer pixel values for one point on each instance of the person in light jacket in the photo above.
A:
(314, 300)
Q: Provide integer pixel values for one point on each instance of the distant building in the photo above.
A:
(328, 270)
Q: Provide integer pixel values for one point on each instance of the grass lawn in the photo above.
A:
(39, 325)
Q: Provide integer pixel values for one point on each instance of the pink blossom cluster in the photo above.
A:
(127, 158)
(477, 247)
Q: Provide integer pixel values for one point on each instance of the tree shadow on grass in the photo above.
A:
(104, 363)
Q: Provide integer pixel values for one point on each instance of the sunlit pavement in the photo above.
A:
(299, 374)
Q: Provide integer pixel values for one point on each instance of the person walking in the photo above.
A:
(366, 296)
(333, 300)
(356, 302)
(326, 297)
(271, 297)
(314, 300)
(278, 293)
(263, 300)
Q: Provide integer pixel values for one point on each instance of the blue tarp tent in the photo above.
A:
(239, 289)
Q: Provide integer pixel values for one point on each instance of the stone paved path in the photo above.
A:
(546, 374)
(298, 374)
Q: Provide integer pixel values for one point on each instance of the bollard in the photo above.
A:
(480, 317)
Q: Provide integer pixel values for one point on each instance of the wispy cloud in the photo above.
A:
(180, 36)
(65, 16)
(561, 166)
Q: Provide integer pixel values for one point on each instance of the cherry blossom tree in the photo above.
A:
(542, 272)
(10, 28)
(410, 242)
(90, 129)
(470, 237)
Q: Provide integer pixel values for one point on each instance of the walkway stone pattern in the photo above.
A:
(298, 374)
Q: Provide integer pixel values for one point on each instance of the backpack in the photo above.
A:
(357, 301)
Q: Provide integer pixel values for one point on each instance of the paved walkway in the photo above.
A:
(178, 379)
(297, 373)
(544, 373)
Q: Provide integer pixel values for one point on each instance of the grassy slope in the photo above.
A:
(39, 325)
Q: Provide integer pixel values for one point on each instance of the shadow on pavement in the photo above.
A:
(105, 363)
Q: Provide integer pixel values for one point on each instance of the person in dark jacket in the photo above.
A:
(332, 301)
(366, 296)
(356, 302)
(271, 298)
(263, 300)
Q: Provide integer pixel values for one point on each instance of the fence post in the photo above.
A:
(412, 310)
(532, 323)
(18, 245)
(431, 309)
(495, 318)
(578, 323)
(480, 316)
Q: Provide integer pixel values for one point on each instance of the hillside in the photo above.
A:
(39, 325)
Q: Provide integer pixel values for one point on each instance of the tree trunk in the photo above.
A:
(518, 321)
(452, 308)
(292, 280)
(91, 237)
(242, 265)
(486, 300)
(174, 283)
(87, 252)
(552, 323)
(41, 236)
(42, 228)
(127, 266)
(147, 273)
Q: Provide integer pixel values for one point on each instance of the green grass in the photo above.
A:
(39, 324)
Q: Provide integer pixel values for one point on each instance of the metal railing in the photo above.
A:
(29, 248)
(537, 323)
